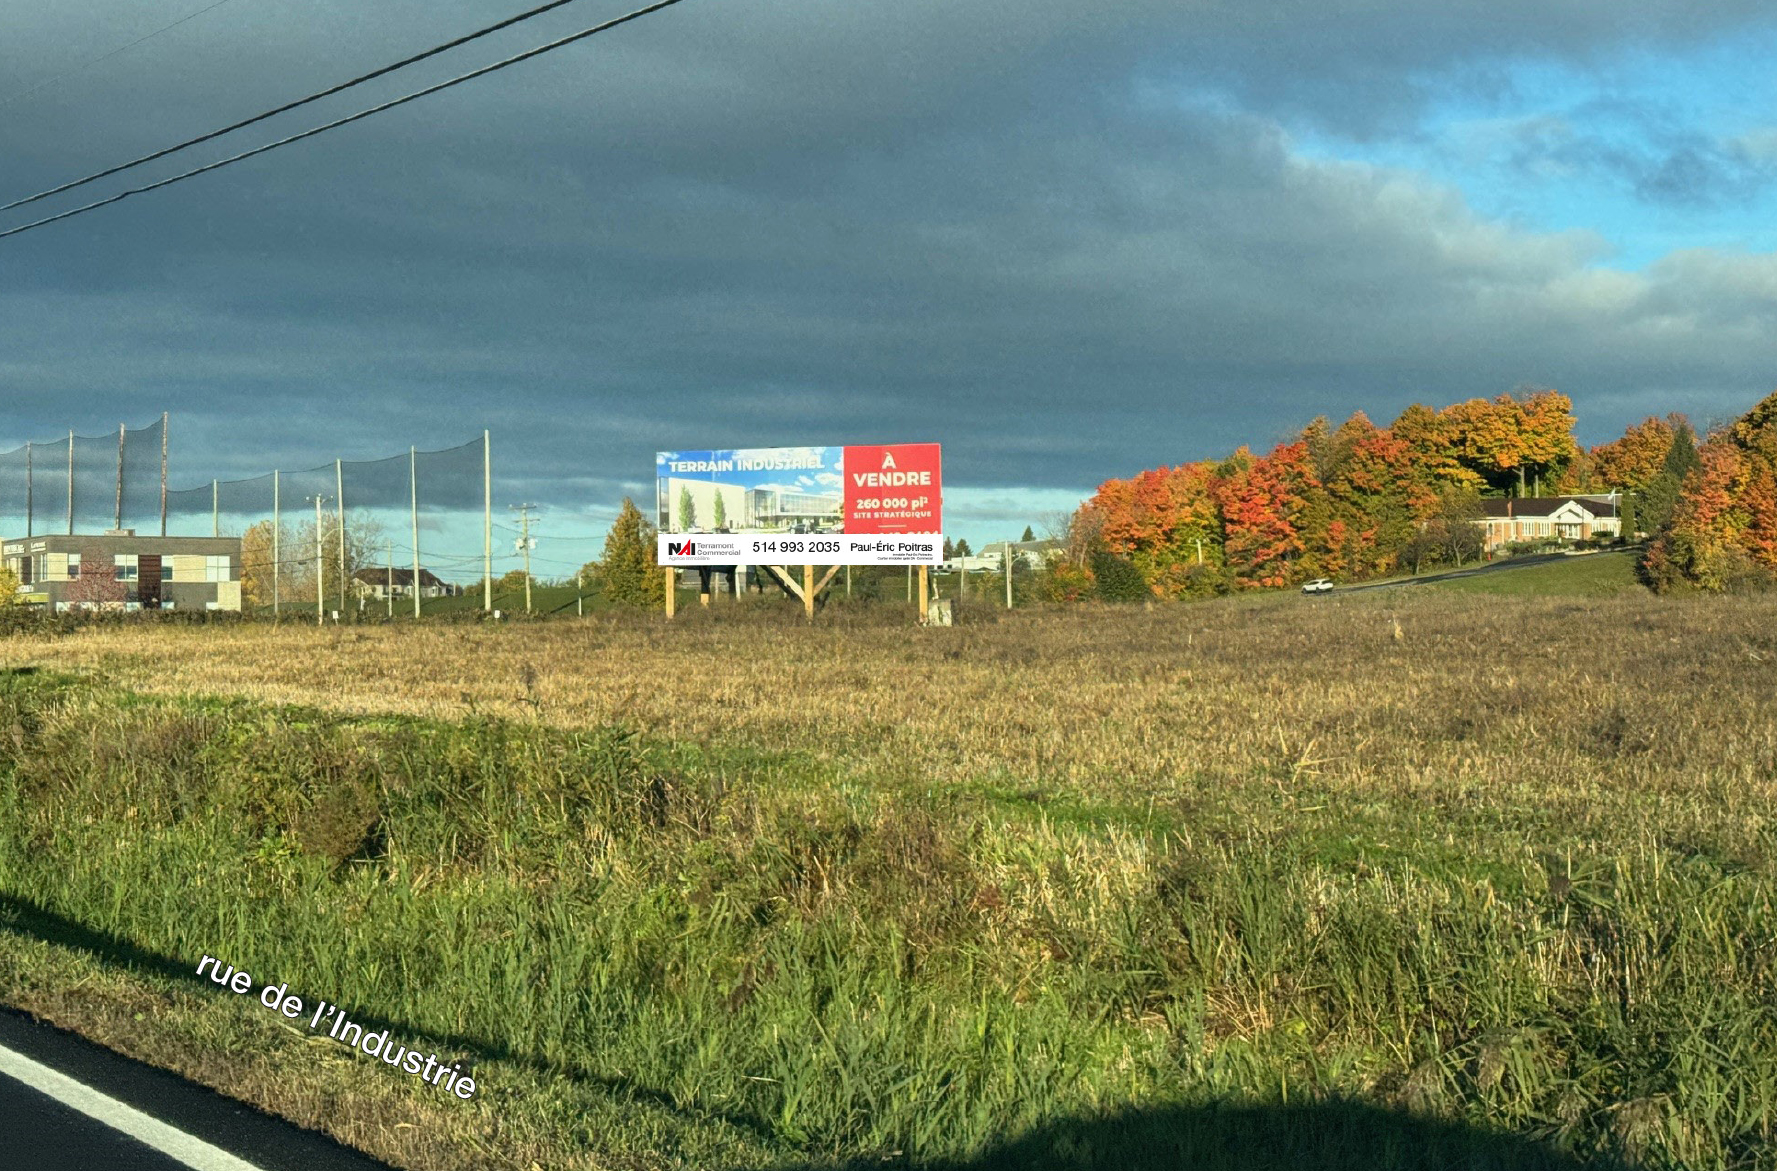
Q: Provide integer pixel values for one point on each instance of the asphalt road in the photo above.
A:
(1505, 565)
(69, 1105)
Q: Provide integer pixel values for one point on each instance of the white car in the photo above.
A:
(1320, 585)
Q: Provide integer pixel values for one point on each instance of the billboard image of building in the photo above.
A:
(851, 498)
(758, 490)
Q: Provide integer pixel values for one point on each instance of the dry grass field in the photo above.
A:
(1291, 879)
(1381, 691)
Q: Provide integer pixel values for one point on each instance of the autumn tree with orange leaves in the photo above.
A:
(1343, 502)
(1723, 529)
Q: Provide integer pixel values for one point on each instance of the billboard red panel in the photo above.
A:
(894, 488)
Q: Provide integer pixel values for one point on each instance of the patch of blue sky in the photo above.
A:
(1654, 152)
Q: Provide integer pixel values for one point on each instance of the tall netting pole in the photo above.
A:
(215, 508)
(413, 489)
(30, 491)
(487, 523)
(277, 522)
(163, 473)
(339, 485)
(117, 523)
(70, 483)
(320, 600)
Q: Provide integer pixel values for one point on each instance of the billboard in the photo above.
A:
(876, 505)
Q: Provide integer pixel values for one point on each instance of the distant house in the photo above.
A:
(1549, 518)
(1032, 554)
(379, 583)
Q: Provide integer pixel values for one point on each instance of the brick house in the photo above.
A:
(1549, 518)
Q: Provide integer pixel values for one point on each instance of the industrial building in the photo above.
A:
(766, 508)
(117, 570)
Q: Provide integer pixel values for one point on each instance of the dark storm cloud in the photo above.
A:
(989, 224)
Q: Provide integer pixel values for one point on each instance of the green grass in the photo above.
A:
(1594, 575)
(667, 954)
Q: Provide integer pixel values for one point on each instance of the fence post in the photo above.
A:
(339, 485)
(413, 488)
(277, 523)
(487, 522)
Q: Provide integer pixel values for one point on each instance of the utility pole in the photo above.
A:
(390, 589)
(1008, 575)
(163, 475)
(117, 521)
(277, 524)
(580, 593)
(524, 545)
(1199, 541)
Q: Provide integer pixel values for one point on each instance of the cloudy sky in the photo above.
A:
(1068, 241)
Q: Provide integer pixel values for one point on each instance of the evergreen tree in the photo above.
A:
(720, 520)
(687, 511)
(632, 576)
(1118, 580)
(963, 550)
(1654, 513)
(1028, 534)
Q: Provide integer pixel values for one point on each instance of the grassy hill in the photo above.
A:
(1593, 575)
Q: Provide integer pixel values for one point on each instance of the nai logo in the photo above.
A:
(681, 548)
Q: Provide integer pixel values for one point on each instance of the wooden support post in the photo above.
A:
(925, 593)
(808, 591)
(672, 584)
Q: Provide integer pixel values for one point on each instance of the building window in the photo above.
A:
(73, 567)
(217, 568)
(166, 569)
(126, 566)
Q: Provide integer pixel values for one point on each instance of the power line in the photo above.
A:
(498, 65)
(315, 97)
(71, 70)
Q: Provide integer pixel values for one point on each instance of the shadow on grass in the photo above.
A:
(1337, 1136)
(1325, 1137)
(23, 916)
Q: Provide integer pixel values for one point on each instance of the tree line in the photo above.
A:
(1360, 501)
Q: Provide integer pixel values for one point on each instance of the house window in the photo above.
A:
(73, 567)
(126, 567)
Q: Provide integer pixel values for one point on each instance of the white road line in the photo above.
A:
(168, 1140)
